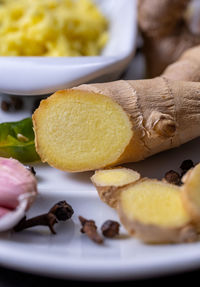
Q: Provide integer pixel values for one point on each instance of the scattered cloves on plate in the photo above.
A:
(110, 228)
(61, 211)
(90, 229)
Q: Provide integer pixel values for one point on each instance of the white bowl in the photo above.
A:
(43, 75)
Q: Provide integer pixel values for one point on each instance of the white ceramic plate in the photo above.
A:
(40, 75)
(70, 254)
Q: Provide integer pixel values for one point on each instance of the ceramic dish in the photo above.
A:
(40, 75)
(70, 254)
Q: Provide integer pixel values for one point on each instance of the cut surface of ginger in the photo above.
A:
(191, 192)
(115, 177)
(154, 203)
(77, 130)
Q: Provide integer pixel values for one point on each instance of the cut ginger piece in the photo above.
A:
(102, 125)
(153, 211)
(109, 183)
(191, 192)
(77, 130)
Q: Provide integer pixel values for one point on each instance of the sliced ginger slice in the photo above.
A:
(109, 183)
(191, 192)
(77, 130)
(153, 211)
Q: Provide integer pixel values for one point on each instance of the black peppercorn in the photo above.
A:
(173, 177)
(110, 228)
(186, 165)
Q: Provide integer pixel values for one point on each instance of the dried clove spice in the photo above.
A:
(90, 229)
(186, 165)
(5, 106)
(173, 177)
(61, 211)
(31, 169)
(47, 219)
(110, 228)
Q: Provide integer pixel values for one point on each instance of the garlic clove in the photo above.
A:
(18, 189)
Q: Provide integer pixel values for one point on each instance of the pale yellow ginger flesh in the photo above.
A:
(151, 202)
(191, 192)
(77, 131)
(115, 177)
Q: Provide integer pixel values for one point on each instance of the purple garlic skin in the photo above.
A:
(18, 189)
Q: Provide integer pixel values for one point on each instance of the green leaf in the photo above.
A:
(17, 140)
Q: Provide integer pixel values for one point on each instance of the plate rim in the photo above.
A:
(115, 270)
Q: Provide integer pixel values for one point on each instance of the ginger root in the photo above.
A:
(154, 212)
(165, 31)
(191, 192)
(102, 125)
(109, 183)
(186, 68)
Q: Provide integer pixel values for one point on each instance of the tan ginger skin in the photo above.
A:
(165, 32)
(186, 68)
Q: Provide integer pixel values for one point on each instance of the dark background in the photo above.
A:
(12, 278)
